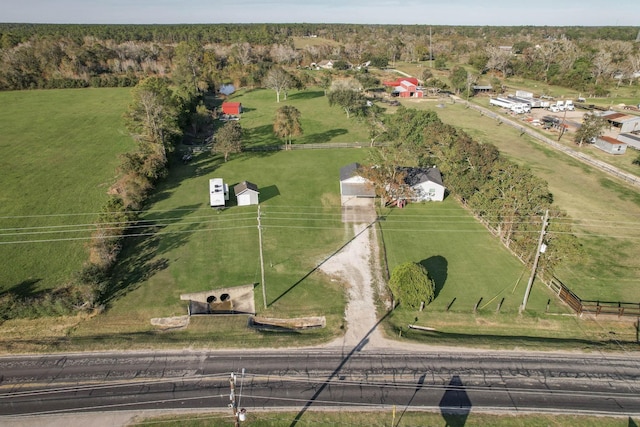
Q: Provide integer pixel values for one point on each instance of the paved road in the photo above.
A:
(443, 381)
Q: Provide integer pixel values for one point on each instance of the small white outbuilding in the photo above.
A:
(247, 193)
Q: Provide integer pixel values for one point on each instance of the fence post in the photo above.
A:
(475, 308)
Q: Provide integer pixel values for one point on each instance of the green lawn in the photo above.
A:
(58, 154)
(199, 248)
(605, 211)
(386, 418)
(320, 122)
(194, 248)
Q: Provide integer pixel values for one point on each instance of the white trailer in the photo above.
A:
(218, 193)
(501, 102)
(511, 104)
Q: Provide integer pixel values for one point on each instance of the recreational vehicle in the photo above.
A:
(218, 193)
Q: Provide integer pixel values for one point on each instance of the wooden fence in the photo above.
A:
(596, 308)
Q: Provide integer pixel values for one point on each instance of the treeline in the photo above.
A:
(589, 59)
(508, 198)
(12, 34)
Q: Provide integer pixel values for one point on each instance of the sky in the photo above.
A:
(423, 12)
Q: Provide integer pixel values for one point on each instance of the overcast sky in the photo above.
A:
(429, 12)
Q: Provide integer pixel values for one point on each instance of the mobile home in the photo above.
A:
(218, 193)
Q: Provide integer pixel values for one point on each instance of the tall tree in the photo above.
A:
(278, 80)
(458, 79)
(347, 94)
(385, 174)
(325, 81)
(374, 118)
(287, 124)
(188, 63)
(152, 117)
(228, 139)
(200, 118)
(591, 128)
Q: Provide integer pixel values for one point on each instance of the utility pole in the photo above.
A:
(242, 414)
(232, 396)
(431, 49)
(539, 250)
(563, 128)
(264, 292)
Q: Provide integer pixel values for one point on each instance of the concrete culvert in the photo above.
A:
(224, 297)
(211, 298)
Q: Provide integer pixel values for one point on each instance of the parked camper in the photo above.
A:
(218, 193)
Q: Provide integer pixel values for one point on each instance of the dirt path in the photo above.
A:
(357, 266)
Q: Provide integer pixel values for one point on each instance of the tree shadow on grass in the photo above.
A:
(142, 257)
(437, 266)
(24, 289)
(261, 136)
(319, 138)
(268, 192)
(311, 94)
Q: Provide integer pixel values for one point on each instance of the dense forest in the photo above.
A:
(589, 59)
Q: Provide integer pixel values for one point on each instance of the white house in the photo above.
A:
(355, 190)
(426, 183)
(246, 193)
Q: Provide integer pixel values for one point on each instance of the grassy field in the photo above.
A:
(320, 122)
(199, 248)
(193, 248)
(606, 212)
(58, 154)
(386, 418)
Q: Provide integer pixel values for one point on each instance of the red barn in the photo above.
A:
(407, 89)
(232, 108)
(399, 81)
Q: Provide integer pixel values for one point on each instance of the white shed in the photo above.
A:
(611, 145)
(246, 193)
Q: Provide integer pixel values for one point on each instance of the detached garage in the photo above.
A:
(355, 190)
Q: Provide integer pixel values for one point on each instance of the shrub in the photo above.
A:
(411, 285)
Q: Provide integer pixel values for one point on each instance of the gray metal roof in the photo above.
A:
(349, 171)
(417, 176)
(244, 186)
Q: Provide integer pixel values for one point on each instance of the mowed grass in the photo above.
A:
(479, 288)
(320, 122)
(189, 247)
(198, 248)
(605, 211)
(383, 418)
(58, 155)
